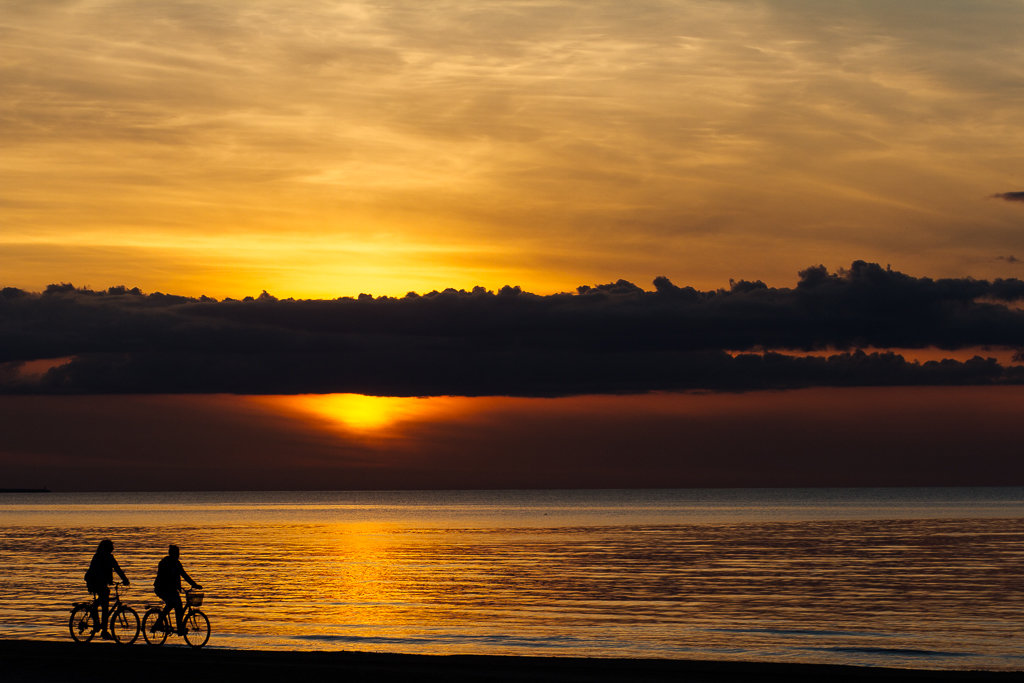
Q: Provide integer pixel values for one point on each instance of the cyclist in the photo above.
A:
(98, 579)
(168, 584)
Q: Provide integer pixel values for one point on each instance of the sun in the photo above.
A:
(359, 413)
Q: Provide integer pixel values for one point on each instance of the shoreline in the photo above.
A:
(43, 661)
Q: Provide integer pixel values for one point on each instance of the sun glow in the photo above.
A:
(358, 413)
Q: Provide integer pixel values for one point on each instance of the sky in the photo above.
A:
(809, 437)
(536, 237)
(340, 147)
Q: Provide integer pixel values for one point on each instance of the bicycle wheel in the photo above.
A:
(124, 625)
(81, 624)
(197, 629)
(153, 630)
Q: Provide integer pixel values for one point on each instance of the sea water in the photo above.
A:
(928, 578)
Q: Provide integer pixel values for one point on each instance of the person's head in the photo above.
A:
(106, 546)
(173, 551)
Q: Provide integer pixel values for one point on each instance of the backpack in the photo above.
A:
(90, 578)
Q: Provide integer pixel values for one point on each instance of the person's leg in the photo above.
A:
(163, 613)
(179, 613)
(103, 597)
(172, 600)
(95, 609)
(168, 599)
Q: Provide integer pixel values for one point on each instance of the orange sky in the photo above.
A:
(337, 147)
(332, 147)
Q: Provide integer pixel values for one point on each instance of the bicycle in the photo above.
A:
(156, 627)
(123, 622)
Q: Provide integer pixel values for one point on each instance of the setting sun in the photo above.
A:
(358, 413)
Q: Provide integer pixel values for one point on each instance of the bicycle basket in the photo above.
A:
(194, 598)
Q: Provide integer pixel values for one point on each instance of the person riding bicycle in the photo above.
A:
(98, 579)
(168, 584)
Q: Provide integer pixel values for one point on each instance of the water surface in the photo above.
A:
(895, 577)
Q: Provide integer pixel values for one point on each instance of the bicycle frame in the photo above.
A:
(112, 604)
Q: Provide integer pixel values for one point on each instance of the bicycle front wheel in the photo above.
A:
(197, 629)
(124, 625)
(81, 624)
(153, 629)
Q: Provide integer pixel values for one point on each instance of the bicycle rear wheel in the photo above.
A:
(81, 624)
(124, 625)
(153, 630)
(197, 629)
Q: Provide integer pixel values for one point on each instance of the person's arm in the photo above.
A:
(117, 568)
(184, 575)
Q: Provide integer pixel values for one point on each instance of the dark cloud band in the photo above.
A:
(609, 338)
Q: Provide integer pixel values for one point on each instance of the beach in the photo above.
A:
(42, 661)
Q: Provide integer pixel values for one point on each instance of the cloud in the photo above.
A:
(1010, 196)
(1009, 259)
(609, 338)
(563, 126)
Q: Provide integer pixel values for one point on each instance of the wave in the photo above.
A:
(900, 651)
(524, 641)
(801, 632)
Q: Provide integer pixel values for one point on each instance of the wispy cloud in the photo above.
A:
(549, 127)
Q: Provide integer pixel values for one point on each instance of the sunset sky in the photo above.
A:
(329, 148)
(905, 436)
(799, 221)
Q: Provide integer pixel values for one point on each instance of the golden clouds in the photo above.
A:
(343, 147)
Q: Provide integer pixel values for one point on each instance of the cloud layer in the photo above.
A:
(608, 338)
(365, 146)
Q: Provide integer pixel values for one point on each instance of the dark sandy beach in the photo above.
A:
(25, 660)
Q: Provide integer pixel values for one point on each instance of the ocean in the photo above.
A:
(904, 577)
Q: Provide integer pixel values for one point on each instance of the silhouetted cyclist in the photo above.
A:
(98, 579)
(168, 584)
